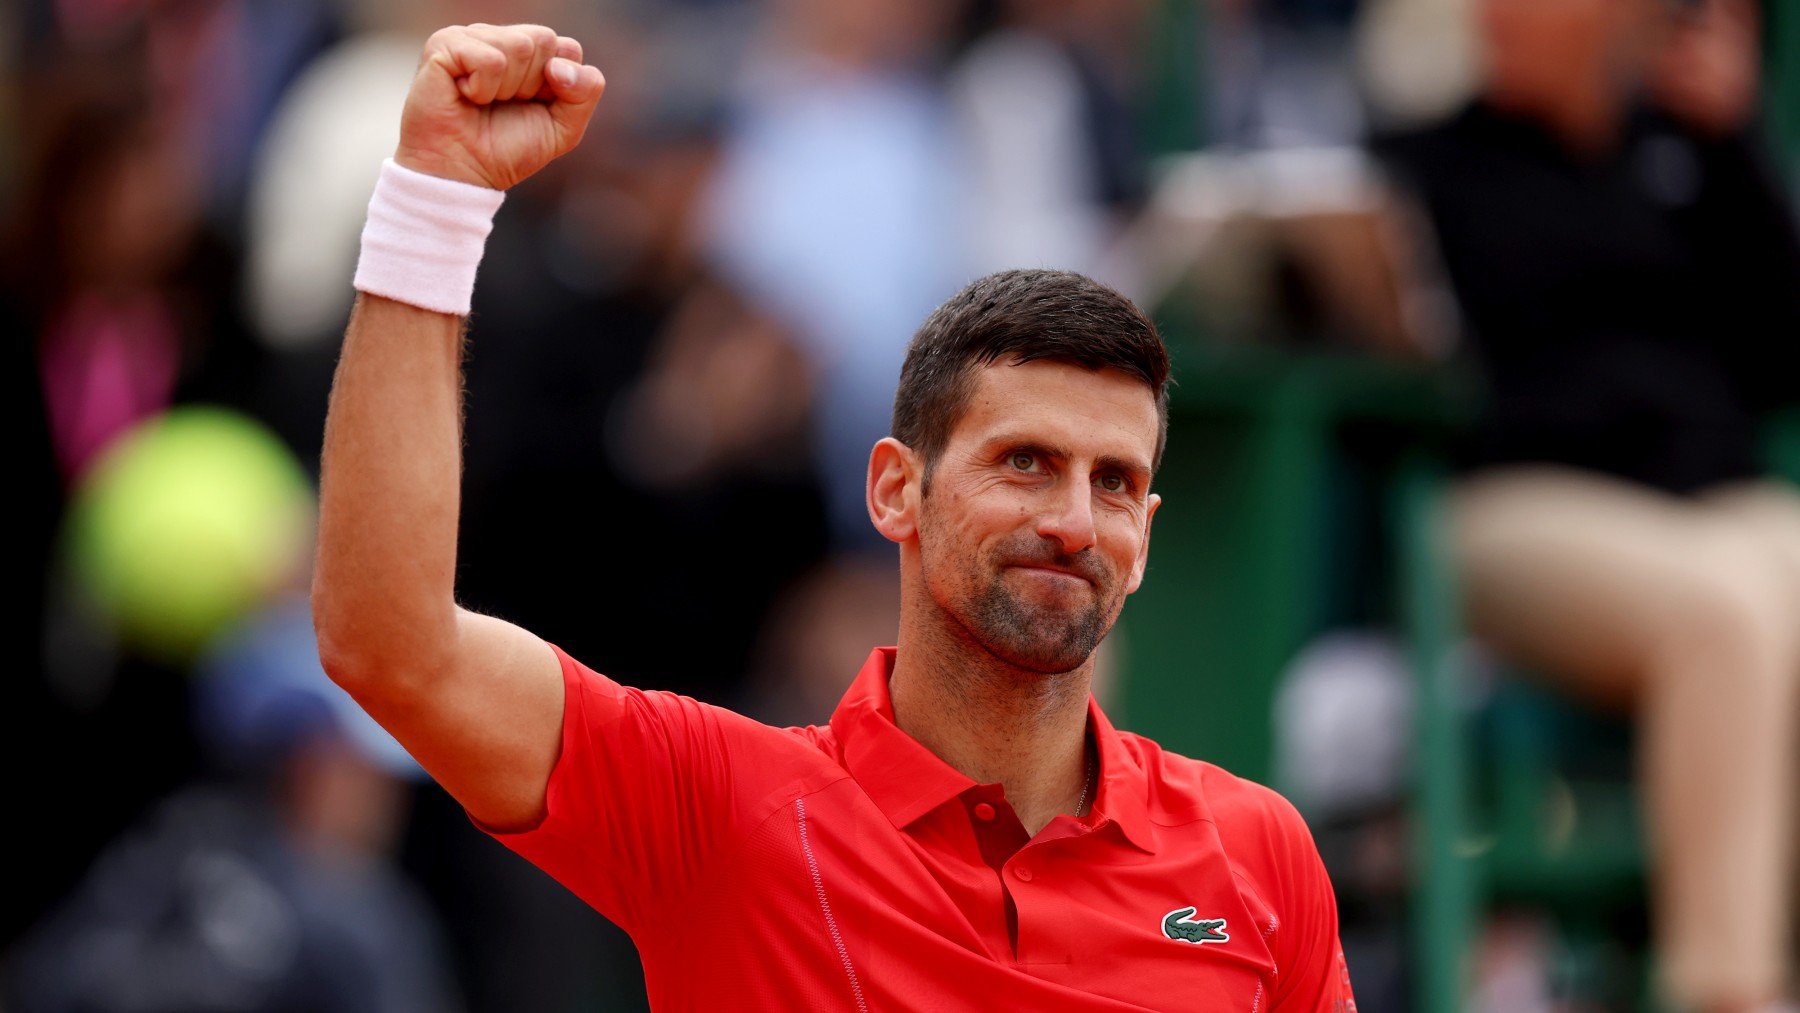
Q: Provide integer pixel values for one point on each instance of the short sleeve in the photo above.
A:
(1314, 978)
(641, 794)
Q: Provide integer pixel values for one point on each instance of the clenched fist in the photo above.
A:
(490, 105)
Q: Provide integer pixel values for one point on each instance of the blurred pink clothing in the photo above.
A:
(105, 367)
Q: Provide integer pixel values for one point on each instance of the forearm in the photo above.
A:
(384, 585)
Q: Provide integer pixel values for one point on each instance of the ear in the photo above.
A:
(1143, 559)
(893, 489)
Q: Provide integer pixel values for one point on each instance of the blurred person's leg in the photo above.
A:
(1680, 610)
(1772, 508)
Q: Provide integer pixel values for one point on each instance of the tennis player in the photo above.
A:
(969, 832)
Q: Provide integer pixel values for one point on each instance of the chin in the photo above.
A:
(1047, 644)
(1029, 633)
(1041, 662)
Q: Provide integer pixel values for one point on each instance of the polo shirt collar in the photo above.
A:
(907, 780)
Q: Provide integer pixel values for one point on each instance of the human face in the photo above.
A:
(1543, 54)
(1036, 522)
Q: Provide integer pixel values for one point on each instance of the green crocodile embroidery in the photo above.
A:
(1206, 930)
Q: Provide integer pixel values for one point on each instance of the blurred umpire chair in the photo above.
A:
(1307, 473)
(1516, 794)
(1272, 274)
(1522, 796)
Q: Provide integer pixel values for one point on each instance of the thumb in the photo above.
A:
(575, 89)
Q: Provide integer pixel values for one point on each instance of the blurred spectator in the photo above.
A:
(725, 393)
(1282, 74)
(836, 210)
(1631, 278)
(1049, 102)
(1342, 717)
(268, 889)
(115, 295)
(109, 269)
(814, 636)
(314, 173)
(212, 71)
(1416, 59)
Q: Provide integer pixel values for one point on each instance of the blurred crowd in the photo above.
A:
(685, 338)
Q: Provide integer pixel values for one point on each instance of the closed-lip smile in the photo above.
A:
(1047, 568)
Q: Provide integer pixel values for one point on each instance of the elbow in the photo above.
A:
(354, 652)
(367, 650)
(348, 662)
(368, 671)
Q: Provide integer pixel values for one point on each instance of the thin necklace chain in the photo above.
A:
(1087, 779)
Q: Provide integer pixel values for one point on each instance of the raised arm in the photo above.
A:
(476, 700)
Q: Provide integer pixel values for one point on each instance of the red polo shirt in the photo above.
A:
(848, 867)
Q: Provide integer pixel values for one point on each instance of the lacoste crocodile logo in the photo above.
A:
(1178, 924)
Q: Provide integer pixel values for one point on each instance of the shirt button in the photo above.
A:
(1023, 872)
(983, 811)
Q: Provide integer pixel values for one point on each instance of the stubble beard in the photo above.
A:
(1036, 638)
(1032, 636)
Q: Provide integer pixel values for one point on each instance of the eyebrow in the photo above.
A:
(1135, 469)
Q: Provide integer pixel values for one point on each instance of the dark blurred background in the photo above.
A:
(1395, 246)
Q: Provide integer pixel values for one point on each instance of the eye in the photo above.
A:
(1112, 483)
(1023, 460)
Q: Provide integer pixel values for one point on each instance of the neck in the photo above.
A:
(995, 722)
(1585, 121)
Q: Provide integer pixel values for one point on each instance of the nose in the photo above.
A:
(1068, 518)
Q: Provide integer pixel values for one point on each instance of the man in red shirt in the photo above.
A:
(969, 831)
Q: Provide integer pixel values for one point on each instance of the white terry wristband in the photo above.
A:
(423, 240)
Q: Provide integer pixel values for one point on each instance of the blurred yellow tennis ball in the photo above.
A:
(185, 523)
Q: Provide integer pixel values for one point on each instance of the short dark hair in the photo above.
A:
(1021, 316)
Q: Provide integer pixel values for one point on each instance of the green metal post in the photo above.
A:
(1445, 892)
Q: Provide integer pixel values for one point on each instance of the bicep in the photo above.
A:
(488, 725)
(641, 791)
